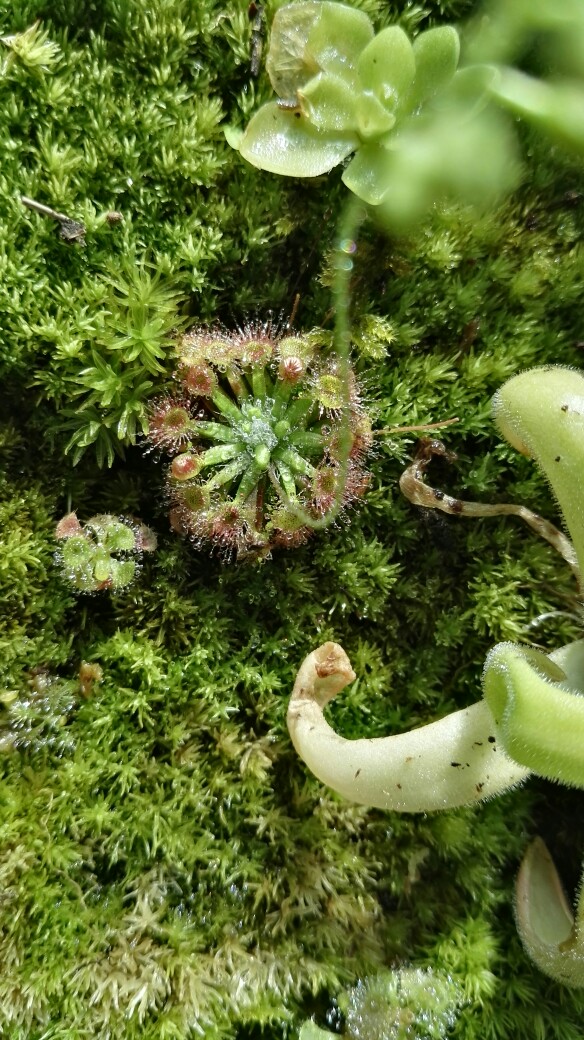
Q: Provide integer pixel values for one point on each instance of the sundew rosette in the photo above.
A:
(267, 437)
(103, 553)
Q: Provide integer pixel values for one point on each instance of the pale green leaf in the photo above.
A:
(436, 53)
(387, 66)
(283, 141)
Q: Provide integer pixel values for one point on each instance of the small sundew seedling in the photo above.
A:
(102, 553)
(37, 720)
(404, 1004)
(259, 439)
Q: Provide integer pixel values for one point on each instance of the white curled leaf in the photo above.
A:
(455, 761)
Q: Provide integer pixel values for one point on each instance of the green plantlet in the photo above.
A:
(406, 1004)
(36, 722)
(256, 431)
(341, 90)
(531, 719)
(103, 553)
(133, 317)
(402, 109)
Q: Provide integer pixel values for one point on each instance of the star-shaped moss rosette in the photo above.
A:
(103, 553)
(531, 719)
(266, 435)
(345, 91)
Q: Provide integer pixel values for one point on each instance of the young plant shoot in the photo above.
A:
(414, 123)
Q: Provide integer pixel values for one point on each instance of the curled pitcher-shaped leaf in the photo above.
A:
(541, 413)
(537, 702)
(551, 936)
(454, 761)
(531, 718)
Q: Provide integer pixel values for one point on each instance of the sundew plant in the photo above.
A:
(170, 868)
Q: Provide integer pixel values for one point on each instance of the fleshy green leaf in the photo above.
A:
(373, 119)
(436, 53)
(387, 66)
(559, 107)
(329, 103)
(283, 141)
(338, 37)
(471, 86)
(287, 63)
(366, 175)
(310, 37)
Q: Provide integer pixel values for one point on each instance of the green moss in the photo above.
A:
(171, 868)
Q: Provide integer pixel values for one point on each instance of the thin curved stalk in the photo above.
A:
(346, 247)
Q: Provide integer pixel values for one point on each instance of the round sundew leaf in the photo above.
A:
(329, 104)
(284, 142)
(119, 537)
(122, 573)
(387, 66)
(436, 53)
(76, 551)
(366, 174)
(102, 565)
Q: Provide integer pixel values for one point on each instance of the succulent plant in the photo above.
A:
(102, 553)
(267, 437)
(342, 91)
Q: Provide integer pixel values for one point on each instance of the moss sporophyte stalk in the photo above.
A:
(265, 437)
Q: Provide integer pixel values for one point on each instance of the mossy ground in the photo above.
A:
(168, 868)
